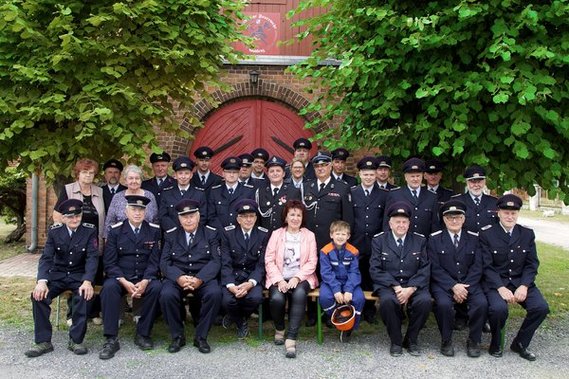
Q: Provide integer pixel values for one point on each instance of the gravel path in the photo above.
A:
(365, 357)
(555, 233)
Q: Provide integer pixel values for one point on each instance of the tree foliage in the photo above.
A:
(90, 78)
(481, 82)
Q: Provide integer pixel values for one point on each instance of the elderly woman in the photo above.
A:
(90, 194)
(290, 263)
(133, 177)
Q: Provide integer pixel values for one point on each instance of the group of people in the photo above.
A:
(287, 228)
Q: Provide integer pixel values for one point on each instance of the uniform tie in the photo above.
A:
(112, 191)
(230, 191)
(367, 192)
(136, 232)
(160, 181)
(400, 244)
(415, 195)
(322, 185)
(72, 234)
(203, 180)
(275, 191)
(432, 190)
(455, 240)
(182, 192)
(190, 239)
(477, 201)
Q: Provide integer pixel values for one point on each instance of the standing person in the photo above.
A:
(456, 273)
(424, 219)
(302, 148)
(112, 172)
(183, 189)
(340, 275)
(339, 157)
(242, 267)
(258, 175)
(131, 259)
(510, 269)
(383, 172)
(203, 176)
(68, 262)
(433, 176)
(246, 169)
(369, 207)
(222, 198)
(190, 263)
(272, 197)
(400, 270)
(133, 177)
(481, 209)
(161, 179)
(297, 171)
(290, 263)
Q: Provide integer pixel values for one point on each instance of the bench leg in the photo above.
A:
(319, 337)
(260, 311)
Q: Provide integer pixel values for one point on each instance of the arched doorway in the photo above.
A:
(244, 125)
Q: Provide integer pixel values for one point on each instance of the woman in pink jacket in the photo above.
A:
(290, 262)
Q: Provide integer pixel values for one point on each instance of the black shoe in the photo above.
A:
(39, 349)
(517, 347)
(226, 322)
(472, 349)
(202, 345)
(395, 350)
(310, 322)
(495, 351)
(176, 344)
(413, 349)
(447, 349)
(486, 328)
(77, 348)
(459, 324)
(110, 347)
(345, 336)
(242, 329)
(145, 343)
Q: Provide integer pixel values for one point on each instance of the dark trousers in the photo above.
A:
(391, 311)
(241, 308)
(296, 306)
(42, 310)
(367, 285)
(477, 309)
(112, 299)
(536, 311)
(209, 297)
(328, 302)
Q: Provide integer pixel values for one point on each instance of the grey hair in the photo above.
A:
(133, 168)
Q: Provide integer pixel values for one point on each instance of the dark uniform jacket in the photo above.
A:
(388, 186)
(508, 260)
(152, 186)
(424, 219)
(202, 259)
(108, 196)
(443, 194)
(390, 267)
(484, 214)
(271, 207)
(339, 268)
(212, 180)
(171, 196)
(132, 257)
(334, 202)
(221, 206)
(368, 216)
(63, 256)
(241, 261)
(450, 265)
(348, 179)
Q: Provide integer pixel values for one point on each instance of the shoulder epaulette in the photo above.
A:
(56, 225)
(352, 249)
(263, 229)
(378, 234)
(229, 227)
(117, 225)
(436, 233)
(354, 187)
(395, 188)
(199, 188)
(383, 189)
(172, 229)
(210, 227)
(154, 225)
(216, 186)
(248, 186)
(486, 227)
(87, 225)
(457, 195)
(167, 188)
(472, 233)
(419, 234)
(328, 248)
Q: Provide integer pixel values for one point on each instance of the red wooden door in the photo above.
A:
(242, 126)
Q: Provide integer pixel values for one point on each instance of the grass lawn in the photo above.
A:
(11, 249)
(538, 215)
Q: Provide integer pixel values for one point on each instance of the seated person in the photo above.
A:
(341, 276)
(68, 262)
(131, 260)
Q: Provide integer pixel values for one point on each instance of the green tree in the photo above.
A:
(99, 78)
(13, 200)
(471, 81)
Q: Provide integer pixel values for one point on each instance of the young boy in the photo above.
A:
(341, 277)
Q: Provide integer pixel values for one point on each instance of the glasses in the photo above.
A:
(247, 215)
(88, 173)
(454, 217)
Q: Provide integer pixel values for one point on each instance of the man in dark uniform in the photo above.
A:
(302, 148)
(339, 157)
(272, 197)
(433, 175)
(131, 260)
(258, 175)
(242, 266)
(510, 269)
(246, 169)
(480, 208)
(400, 270)
(222, 198)
(369, 206)
(161, 179)
(183, 189)
(68, 262)
(383, 172)
(203, 176)
(190, 262)
(424, 219)
(456, 272)
(112, 172)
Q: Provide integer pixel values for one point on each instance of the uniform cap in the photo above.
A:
(434, 165)
(321, 157)
(340, 153)
(246, 160)
(163, 157)
(246, 206)
(302, 143)
(474, 172)
(137, 201)
(203, 152)
(231, 163)
(453, 207)
(113, 163)
(276, 161)
(414, 165)
(383, 161)
(183, 163)
(70, 207)
(367, 163)
(509, 201)
(399, 208)
(185, 206)
(260, 153)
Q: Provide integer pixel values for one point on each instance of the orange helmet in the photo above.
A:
(344, 317)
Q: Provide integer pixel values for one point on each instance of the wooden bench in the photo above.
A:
(67, 294)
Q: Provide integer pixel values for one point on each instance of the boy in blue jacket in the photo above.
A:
(341, 276)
